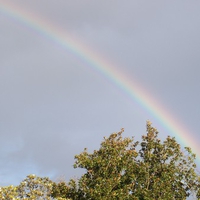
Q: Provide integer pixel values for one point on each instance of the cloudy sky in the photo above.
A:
(53, 103)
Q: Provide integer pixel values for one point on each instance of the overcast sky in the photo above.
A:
(52, 104)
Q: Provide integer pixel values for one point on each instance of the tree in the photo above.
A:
(8, 193)
(124, 169)
(34, 187)
(31, 188)
(165, 171)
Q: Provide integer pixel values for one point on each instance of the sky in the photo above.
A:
(54, 103)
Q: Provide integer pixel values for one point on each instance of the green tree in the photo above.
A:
(9, 193)
(34, 187)
(31, 188)
(124, 169)
(165, 171)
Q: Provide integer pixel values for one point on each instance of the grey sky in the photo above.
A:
(53, 105)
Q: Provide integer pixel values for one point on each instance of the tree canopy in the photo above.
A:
(122, 169)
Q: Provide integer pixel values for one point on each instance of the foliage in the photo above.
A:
(34, 187)
(65, 191)
(8, 193)
(122, 169)
(165, 172)
(31, 188)
(125, 169)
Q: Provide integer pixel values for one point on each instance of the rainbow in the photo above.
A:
(129, 87)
